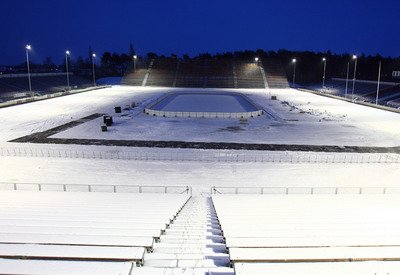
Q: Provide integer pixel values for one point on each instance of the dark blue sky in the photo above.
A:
(195, 26)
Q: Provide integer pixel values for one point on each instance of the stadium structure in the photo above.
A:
(198, 167)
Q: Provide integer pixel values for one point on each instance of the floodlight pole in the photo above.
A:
(354, 77)
(294, 71)
(347, 79)
(94, 74)
(27, 48)
(323, 78)
(66, 64)
(379, 82)
(134, 63)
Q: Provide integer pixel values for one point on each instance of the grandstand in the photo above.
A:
(207, 73)
(140, 198)
(389, 93)
(16, 86)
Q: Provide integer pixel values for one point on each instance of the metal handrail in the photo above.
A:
(307, 190)
(115, 188)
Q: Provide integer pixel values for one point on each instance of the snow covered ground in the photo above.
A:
(304, 119)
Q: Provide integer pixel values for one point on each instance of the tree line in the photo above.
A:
(309, 65)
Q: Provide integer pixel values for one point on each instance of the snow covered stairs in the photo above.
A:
(193, 244)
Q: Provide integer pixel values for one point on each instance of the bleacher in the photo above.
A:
(11, 86)
(192, 73)
(277, 233)
(202, 73)
(249, 75)
(275, 74)
(78, 232)
(163, 73)
(363, 90)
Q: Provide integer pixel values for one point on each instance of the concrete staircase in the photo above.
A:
(193, 244)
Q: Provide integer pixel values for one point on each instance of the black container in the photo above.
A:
(117, 109)
(104, 128)
(104, 119)
(109, 121)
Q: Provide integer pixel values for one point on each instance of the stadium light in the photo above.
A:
(256, 59)
(379, 82)
(294, 70)
(94, 74)
(27, 49)
(323, 78)
(355, 58)
(134, 63)
(67, 53)
(347, 80)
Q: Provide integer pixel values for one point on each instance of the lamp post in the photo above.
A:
(256, 60)
(67, 53)
(94, 74)
(294, 70)
(323, 78)
(27, 49)
(379, 82)
(134, 62)
(347, 79)
(354, 77)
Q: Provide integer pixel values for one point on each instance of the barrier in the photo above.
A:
(203, 114)
(304, 190)
(206, 156)
(107, 188)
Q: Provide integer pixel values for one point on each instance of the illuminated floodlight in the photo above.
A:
(354, 56)
(294, 60)
(323, 59)
(28, 47)
(67, 52)
(256, 59)
(135, 57)
(94, 55)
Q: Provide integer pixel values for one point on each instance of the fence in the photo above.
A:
(97, 188)
(304, 190)
(205, 155)
(204, 114)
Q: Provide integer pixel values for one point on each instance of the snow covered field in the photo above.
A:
(304, 119)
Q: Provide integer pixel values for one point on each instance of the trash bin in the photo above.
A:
(104, 119)
(104, 128)
(108, 121)
(117, 109)
(273, 97)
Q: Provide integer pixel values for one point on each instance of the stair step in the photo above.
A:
(187, 263)
(189, 256)
(215, 246)
(193, 232)
(182, 271)
(191, 237)
(190, 249)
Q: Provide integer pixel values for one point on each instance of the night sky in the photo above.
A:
(196, 26)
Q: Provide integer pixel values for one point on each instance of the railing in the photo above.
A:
(107, 188)
(304, 190)
(203, 114)
(205, 156)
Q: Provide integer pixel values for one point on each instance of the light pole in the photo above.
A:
(94, 74)
(27, 49)
(347, 79)
(67, 53)
(354, 77)
(134, 63)
(379, 82)
(294, 70)
(256, 60)
(323, 78)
